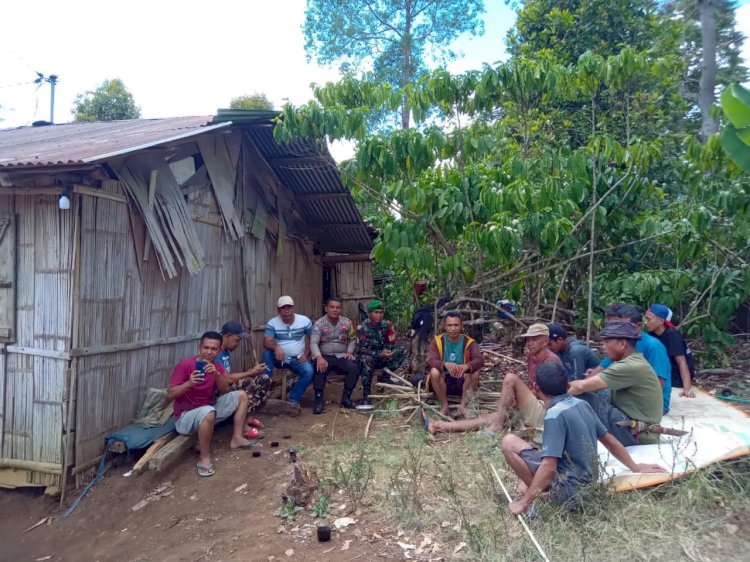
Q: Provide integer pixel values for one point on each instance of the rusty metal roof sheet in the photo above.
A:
(73, 144)
(304, 168)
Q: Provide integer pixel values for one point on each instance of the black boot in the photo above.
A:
(366, 388)
(319, 402)
(346, 399)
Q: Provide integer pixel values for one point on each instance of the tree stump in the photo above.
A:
(303, 485)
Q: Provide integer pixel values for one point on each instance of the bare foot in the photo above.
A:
(240, 443)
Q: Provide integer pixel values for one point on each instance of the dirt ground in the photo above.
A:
(204, 518)
(229, 516)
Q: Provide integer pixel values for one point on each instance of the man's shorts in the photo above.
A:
(563, 491)
(532, 415)
(454, 386)
(225, 406)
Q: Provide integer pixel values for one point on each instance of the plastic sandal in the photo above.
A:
(205, 471)
(253, 433)
(255, 423)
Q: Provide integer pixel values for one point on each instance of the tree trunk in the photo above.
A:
(707, 86)
(407, 73)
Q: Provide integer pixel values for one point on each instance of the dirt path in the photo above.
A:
(204, 518)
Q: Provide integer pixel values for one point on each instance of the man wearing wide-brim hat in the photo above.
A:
(515, 394)
(636, 392)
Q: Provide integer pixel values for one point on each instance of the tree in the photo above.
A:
(253, 101)
(395, 36)
(109, 102)
(711, 46)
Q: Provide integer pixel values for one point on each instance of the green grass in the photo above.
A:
(446, 490)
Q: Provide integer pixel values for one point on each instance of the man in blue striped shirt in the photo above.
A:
(287, 343)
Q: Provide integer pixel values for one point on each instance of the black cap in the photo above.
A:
(234, 328)
(556, 331)
(632, 313)
(612, 309)
(620, 331)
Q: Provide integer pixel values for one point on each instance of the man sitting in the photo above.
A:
(575, 355)
(287, 343)
(515, 392)
(193, 386)
(376, 347)
(651, 348)
(636, 393)
(254, 382)
(659, 324)
(332, 345)
(455, 361)
(568, 458)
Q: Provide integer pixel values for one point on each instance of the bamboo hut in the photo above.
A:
(172, 227)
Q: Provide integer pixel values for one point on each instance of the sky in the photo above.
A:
(186, 57)
(176, 58)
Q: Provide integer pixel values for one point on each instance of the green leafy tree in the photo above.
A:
(253, 101)
(110, 101)
(396, 37)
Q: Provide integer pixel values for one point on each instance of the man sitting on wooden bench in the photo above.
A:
(196, 408)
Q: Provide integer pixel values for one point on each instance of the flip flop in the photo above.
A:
(425, 421)
(255, 423)
(253, 433)
(205, 471)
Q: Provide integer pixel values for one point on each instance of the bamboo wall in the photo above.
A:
(352, 281)
(34, 386)
(118, 306)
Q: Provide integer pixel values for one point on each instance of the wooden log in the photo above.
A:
(171, 452)
(151, 451)
(36, 466)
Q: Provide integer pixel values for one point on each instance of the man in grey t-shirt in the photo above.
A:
(568, 456)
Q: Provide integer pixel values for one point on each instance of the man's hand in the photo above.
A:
(196, 377)
(648, 468)
(574, 388)
(518, 507)
(303, 357)
(687, 393)
(455, 370)
(350, 356)
(279, 354)
(321, 364)
(259, 369)
(210, 368)
(386, 354)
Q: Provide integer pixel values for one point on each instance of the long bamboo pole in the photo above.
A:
(523, 523)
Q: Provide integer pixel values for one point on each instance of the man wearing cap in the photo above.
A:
(254, 382)
(515, 392)
(651, 348)
(332, 345)
(659, 324)
(376, 347)
(567, 460)
(287, 343)
(636, 393)
(194, 386)
(575, 355)
(455, 362)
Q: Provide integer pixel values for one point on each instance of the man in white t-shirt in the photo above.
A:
(287, 345)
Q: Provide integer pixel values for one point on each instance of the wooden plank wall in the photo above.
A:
(352, 281)
(34, 385)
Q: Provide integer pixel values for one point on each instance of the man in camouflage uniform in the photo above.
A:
(377, 347)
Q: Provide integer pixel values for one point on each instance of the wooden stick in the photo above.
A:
(151, 451)
(395, 387)
(367, 427)
(503, 356)
(395, 376)
(523, 523)
(333, 426)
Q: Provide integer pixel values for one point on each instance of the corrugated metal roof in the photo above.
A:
(316, 181)
(305, 169)
(81, 143)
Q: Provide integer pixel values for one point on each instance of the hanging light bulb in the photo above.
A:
(64, 202)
